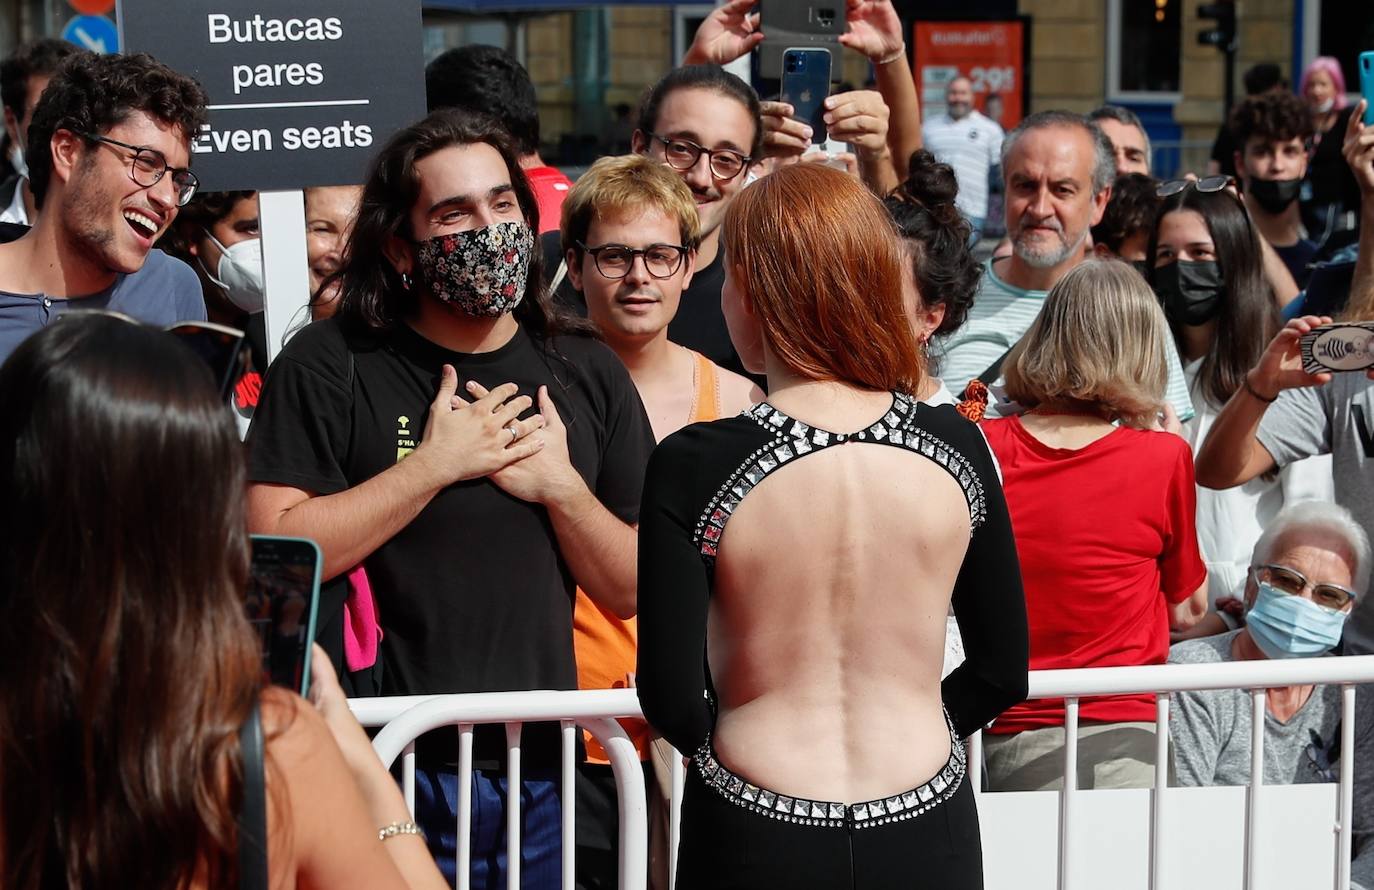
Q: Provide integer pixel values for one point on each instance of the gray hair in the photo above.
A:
(1318, 516)
(1104, 161)
(1122, 116)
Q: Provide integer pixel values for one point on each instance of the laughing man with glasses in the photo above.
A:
(108, 174)
(1309, 573)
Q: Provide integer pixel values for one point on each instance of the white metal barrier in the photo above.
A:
(405, 718)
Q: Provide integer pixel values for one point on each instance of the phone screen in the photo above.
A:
(281, 603)
(222, 349)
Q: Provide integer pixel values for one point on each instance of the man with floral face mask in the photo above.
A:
(1271, 133)
(479, 454)
(1309, 572)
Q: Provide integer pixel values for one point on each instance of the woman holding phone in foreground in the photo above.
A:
(127, 665)
(826, 750)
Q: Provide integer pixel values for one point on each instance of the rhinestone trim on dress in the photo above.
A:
(792, 439)
(830, 814)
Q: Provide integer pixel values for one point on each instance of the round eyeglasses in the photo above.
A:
(683, 154)
(614, 261)
(1292, 582)
(1205, 185)
(148, 166)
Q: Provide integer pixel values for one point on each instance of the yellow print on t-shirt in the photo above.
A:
(405, 441)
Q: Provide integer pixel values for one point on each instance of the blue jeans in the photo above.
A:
(541, 848)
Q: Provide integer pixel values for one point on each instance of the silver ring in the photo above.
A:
(514, 433)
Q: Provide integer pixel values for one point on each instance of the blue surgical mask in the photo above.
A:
(1287, 626)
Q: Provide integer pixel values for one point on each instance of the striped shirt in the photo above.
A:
(1001, 313)
(971, 145)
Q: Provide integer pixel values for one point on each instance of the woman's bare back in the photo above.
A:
(815, 571)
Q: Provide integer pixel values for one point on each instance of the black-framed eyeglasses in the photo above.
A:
(1205, 185)
(683, 154)
(148, 166)
(614, 261)
(1292, 582)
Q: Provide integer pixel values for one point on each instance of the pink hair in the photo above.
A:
(1332, 67)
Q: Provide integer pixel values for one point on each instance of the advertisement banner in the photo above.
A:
(991, 54)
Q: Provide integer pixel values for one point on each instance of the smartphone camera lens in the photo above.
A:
(795, 64)
(825, 18)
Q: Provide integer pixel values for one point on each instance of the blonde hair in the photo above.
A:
(616, 186)
(1101, 340)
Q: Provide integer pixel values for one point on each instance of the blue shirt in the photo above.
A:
(164, 292)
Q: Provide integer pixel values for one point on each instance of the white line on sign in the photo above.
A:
(289, 104)
(92, 44)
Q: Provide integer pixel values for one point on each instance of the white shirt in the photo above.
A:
(972, 145)
(16, 212)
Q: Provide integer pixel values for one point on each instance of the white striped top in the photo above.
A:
(1000, 315)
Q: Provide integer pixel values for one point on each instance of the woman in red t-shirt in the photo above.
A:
(1102, 504)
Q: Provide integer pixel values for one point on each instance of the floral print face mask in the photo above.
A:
(482, 271)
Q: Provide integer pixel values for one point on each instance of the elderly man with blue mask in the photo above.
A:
(1307, 575)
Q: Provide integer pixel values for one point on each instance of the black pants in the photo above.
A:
(725, 845)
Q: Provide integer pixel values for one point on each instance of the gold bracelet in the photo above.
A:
(396, 828)
(899, 54)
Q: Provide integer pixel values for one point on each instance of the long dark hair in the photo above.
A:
(372, 294)
(936, 236)
(127, 663)
(1248, 319)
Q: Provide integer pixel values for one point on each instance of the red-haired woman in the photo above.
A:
(796, 564)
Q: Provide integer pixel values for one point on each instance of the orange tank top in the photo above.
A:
(605, 645)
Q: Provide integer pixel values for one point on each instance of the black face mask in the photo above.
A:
(1274, 195)
(1190, 292)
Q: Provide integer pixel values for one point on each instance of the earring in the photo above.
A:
(405, 281)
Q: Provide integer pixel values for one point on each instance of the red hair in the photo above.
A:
(821, 262)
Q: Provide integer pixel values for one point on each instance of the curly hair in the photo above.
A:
(205, 209)
(1274, 117)
(936, 237)
(92, 93)
(1132, 209)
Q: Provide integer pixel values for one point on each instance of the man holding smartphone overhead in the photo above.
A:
(1284, 414)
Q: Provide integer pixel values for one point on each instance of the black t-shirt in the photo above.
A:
(1224, 150)
(1297, 257)
(1332, 180)
(700, 323)
(473, 595)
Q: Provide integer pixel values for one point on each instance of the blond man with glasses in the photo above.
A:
(108, 156)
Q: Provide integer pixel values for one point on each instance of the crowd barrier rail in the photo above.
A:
(405, 718)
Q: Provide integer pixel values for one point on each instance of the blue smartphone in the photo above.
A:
(805, 86)
(1367, 86)
(281, 603)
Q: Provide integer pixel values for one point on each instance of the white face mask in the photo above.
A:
(17, 160)
(240, 273)
(1326, 105)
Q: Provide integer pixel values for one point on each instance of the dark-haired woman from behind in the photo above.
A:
(941, 272)
(1207, 268)
(796, 564)
(128, 669)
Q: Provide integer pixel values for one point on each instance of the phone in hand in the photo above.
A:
(805, 86)
(281, 603)
(1342, 346)
(222, 347)
(812, 24)
(1367, 86)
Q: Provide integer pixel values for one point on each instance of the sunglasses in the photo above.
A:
(1205, 185)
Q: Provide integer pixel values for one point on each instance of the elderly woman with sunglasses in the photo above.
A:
(1309, 571)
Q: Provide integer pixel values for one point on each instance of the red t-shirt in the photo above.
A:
(1107, 542)
(550, 187)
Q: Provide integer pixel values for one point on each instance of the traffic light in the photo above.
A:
(1223, 36)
